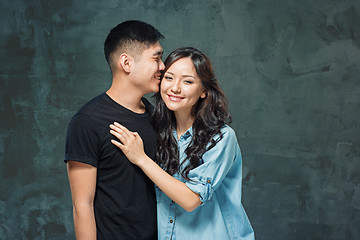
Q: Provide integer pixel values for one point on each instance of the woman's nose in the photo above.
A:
(176, 87)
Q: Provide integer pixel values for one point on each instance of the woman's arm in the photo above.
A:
(132, 146)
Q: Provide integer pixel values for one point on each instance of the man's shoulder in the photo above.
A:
(86, 112)
(88, 107)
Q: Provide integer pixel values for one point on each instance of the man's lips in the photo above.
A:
(158, 75)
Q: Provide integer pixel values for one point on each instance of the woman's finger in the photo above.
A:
(120, 136)
(124, 129)
(118, 144)
(119, 130)
(115, 128)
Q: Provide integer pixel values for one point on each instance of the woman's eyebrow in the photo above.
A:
(188, 76)
(185, 75)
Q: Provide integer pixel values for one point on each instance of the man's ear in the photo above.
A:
(125, 62)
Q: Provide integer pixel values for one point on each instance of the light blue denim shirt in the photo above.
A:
(221, 215)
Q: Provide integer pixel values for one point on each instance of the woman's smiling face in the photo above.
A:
(181, 87)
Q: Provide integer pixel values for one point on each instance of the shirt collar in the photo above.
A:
(186, 135)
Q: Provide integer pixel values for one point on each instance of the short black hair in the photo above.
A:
(129, 36)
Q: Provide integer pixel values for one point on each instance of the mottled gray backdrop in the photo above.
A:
(290, 69)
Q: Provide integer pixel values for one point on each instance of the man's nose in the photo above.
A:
(161, 65)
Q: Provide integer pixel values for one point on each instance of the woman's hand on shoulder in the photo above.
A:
(129, 142)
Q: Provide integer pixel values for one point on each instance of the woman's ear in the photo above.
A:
(203, 94)
(125, 62)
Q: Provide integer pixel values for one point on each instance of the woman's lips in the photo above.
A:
(175, 98)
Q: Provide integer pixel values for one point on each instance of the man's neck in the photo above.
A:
(126, 97)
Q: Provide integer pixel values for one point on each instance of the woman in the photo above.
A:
(199, 181)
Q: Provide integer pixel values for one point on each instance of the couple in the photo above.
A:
(118, 146)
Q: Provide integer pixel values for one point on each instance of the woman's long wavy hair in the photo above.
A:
(210, 114)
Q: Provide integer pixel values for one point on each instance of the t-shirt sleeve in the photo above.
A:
(217, 162)
(82, 141)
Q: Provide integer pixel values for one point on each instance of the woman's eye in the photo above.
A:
(168, 78)
(188, 81)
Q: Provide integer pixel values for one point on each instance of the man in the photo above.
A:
(112, 198)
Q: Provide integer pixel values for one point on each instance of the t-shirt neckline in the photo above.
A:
(105, 95)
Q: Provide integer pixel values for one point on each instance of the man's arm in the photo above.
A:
(82, 178)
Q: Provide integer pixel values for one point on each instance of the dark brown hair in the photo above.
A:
(210, 115)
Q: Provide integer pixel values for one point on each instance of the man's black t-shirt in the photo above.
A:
(124, 204)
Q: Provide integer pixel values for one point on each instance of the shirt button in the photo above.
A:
(171, 221)
(208, 181)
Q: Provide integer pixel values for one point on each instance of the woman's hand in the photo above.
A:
(132, 146)
(130, 143)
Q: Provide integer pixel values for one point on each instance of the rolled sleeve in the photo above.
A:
(82, 141)
(203, 188)
(207, 177)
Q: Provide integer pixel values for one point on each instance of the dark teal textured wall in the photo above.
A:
(289, 68)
